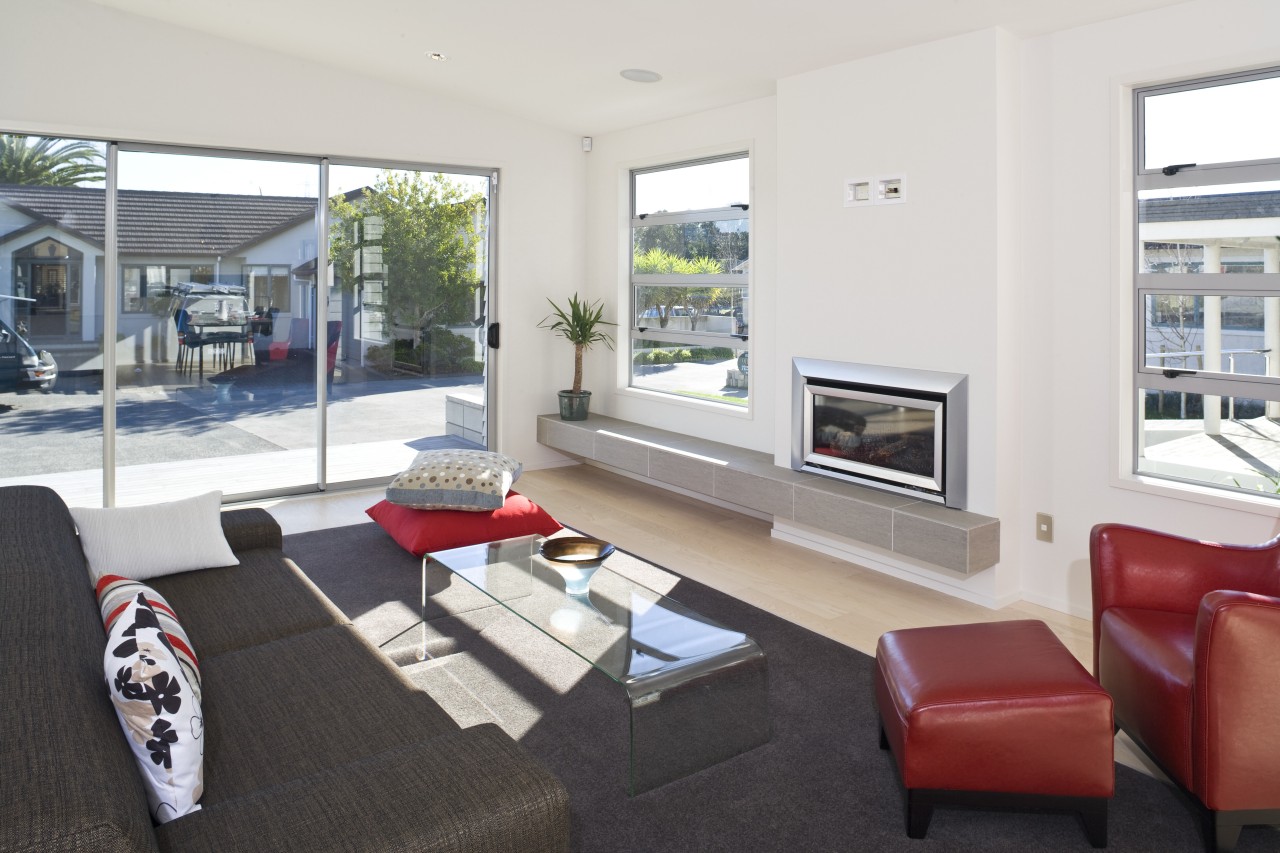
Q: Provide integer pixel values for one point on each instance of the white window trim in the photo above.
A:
(627, 281)
(1126, 180)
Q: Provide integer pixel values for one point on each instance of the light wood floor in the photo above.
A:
(733, 553)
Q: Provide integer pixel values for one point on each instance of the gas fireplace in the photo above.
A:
(898, 429)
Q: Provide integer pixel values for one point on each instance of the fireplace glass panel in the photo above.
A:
(898, 438)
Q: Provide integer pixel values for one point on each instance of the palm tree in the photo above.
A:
(49, 162)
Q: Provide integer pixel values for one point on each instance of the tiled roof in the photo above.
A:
(154, 223)
(1259, 205)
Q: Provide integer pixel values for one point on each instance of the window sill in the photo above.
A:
(711, 406)
(1206, 495)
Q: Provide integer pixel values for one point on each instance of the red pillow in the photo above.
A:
(420, 531)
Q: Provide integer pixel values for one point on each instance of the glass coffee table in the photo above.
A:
(697, 691)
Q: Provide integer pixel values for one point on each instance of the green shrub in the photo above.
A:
(661, 356)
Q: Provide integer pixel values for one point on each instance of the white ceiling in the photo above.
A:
(557, 61)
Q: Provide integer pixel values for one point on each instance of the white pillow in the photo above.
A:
(158, 711)
(140, 542)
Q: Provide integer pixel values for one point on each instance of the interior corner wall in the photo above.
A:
(200, 90)
(915, 284)
(748, 126)
(1076, 271)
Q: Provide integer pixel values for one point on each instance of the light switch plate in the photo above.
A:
(859, 191)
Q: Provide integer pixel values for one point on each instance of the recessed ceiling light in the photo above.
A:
(437, 57)
(640, 75)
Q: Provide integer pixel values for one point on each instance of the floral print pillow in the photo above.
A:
(116, 593)
(158, 711)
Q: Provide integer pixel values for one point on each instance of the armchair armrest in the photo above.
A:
(1236, 758)
(1136, 567)
(473, 791)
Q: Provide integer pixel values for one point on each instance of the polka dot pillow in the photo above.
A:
(469, 480)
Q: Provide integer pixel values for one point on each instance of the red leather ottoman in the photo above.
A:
(996, 715)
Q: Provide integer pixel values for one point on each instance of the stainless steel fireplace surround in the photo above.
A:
(893, 428)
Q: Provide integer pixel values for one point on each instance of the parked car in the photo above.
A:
(21, 366)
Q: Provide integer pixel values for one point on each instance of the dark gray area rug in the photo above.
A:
(820, 784)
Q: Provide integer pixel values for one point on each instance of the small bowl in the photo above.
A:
(576, 559)
(579, 551)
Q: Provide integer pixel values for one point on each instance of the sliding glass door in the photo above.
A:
(52, 220)
(276, 324)
(407, 315)
(215, 346)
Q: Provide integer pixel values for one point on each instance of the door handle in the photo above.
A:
(492, 335)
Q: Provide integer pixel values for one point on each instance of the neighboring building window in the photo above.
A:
(1207, 294)
(139, 282)
(268, 288)
(690, 279)
(147, 287)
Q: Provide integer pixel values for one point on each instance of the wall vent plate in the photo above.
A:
(858, 191)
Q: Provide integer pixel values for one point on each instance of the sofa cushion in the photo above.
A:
(468, 480)
(421, 531)
(302, 704)
(1146, 661)
(467, 791)
(158, 711)
(115, 595)
(264, 598)
(143, 542)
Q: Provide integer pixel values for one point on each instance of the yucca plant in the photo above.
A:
(578, 323)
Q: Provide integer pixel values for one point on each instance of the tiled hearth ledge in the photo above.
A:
(951, 539)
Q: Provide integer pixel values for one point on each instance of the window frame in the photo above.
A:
(1154, 377)
(739, 340)
(269, 272)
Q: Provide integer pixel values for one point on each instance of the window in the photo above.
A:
(148, 287)
(139, 282)
(268, 288)
(690, 279)
(1207, 283)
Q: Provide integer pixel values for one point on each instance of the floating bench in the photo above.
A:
(951, 539)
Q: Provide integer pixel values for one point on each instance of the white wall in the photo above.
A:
(1075, 272)
(925, 284)
(188, 88)
(749, 127)
(1010, 260)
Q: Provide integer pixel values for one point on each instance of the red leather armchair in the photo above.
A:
(1186, 639)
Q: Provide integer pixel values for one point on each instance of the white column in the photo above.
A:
(1212, 341)
(1271, 324)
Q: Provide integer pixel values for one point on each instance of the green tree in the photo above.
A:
(415, 238)
(49, 162)
(658, 261)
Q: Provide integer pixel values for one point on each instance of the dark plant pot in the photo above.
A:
(573, 407)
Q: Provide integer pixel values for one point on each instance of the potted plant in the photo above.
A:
(579, 323)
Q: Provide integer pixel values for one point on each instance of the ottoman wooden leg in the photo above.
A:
(919, 813)
(1094, 815)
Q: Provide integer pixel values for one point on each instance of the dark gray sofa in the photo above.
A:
(314, 740)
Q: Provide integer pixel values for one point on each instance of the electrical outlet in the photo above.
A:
(1044, 527)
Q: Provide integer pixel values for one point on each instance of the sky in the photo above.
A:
(242, 176)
